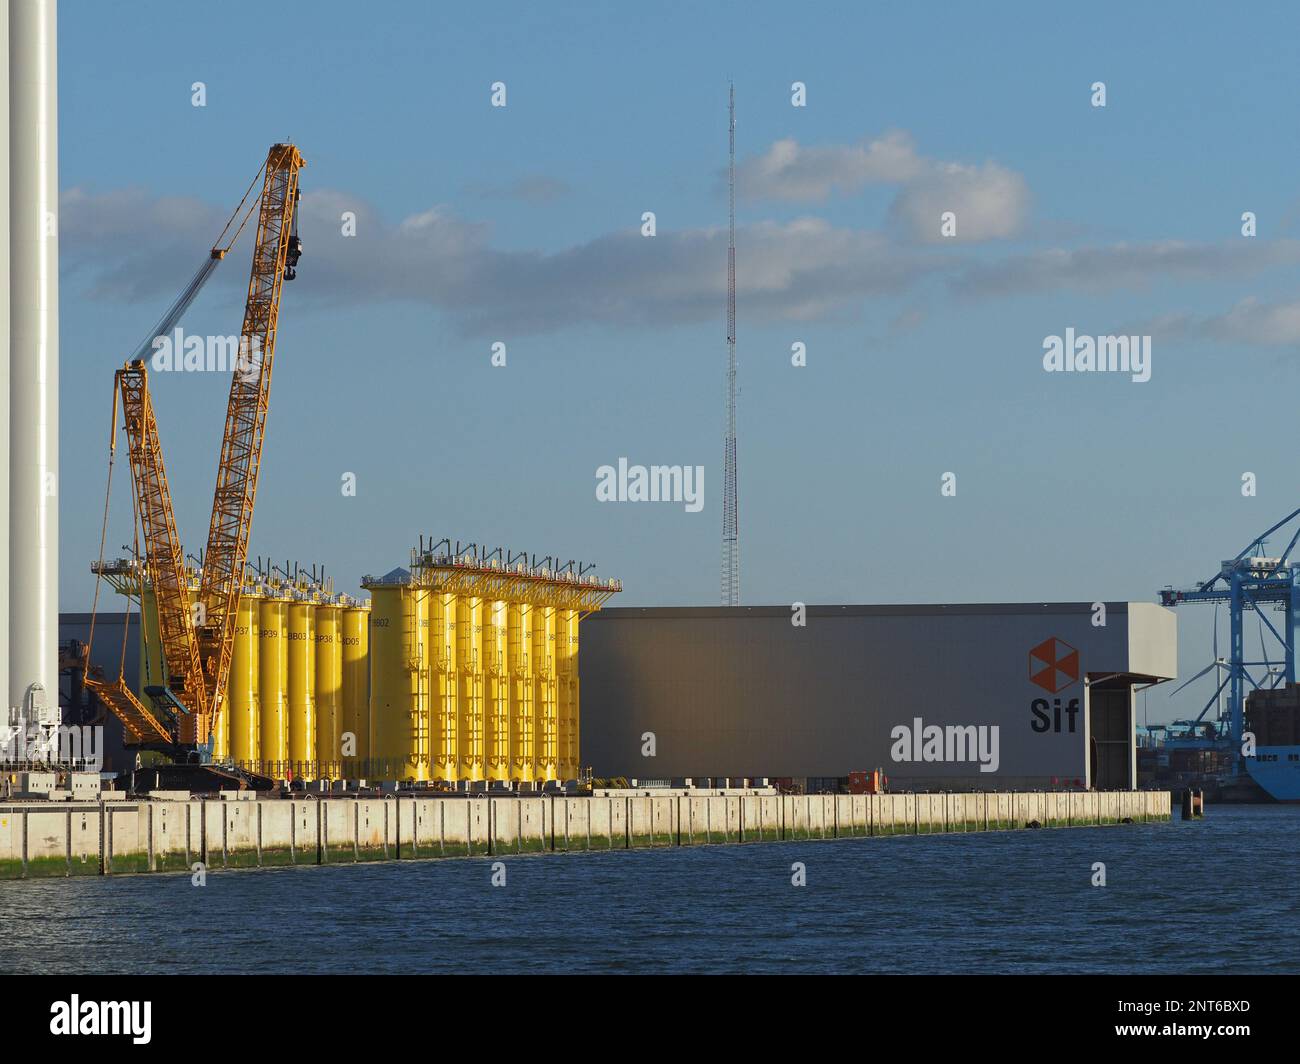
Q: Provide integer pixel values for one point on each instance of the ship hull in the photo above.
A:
(1277, 770)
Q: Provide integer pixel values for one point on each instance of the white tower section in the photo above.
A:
(33, 684)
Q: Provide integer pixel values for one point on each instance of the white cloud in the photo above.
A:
(132, 248)
(990, 203)
(788, 171)
(1123, 265)
(1252, 321)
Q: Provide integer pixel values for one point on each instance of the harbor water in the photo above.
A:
(1210, 896)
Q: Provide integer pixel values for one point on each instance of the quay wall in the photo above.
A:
(40, 839)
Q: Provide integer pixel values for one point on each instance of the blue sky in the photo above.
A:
(521, 224)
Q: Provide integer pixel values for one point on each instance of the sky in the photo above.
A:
(523, 225)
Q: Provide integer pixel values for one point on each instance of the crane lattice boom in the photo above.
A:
(275, 251)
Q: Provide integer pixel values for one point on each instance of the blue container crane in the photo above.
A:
(1249, 582)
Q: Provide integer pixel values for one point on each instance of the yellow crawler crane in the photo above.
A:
(197, 643)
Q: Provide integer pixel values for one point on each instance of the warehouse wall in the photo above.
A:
(744, 692)
(107, 653)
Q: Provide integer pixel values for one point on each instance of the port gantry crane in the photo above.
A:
(1248, 583)
(180, 714)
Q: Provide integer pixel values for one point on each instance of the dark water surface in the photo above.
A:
(1219, 895)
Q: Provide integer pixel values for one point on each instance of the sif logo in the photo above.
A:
(1054, 666)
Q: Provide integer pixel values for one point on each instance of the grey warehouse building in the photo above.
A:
(1000, 696)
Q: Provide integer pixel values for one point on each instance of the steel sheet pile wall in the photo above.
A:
(68, 839)
(475, 676)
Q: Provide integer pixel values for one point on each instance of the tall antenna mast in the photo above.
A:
(730, 511)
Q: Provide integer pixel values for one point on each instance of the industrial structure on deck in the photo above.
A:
(299, 678)
(461, 671)
(464, 671)
(474, 665)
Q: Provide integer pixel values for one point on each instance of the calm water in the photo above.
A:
(1216, 896)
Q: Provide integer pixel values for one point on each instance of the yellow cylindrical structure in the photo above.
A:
(441, 666)
(242, 708)
(329, 689)
(273, 682)
(355, 744)
(398, 710)
(302, 686)
(566, 692)
(496, 682)
(546, 752)
(151, 656)
(469, 690)
(519, 641)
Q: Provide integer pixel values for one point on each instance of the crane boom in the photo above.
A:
(164, 556)
(182, 711)
(274, 257)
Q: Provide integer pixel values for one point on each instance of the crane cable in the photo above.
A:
(144, 628)
(195, 285)
(217, 248)
(103, 528)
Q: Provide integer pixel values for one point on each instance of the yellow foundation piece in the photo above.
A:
(354, 743)
(273, 682)
(242, 711)
(398, 708)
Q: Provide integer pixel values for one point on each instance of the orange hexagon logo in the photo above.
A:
(1054, 665)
